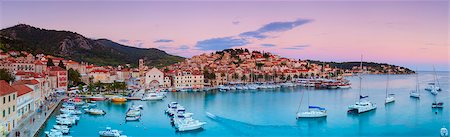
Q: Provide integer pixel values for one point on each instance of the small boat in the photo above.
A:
(416, 93)
(65, 122)
(133, 118)
(94, 111)
(54, 133)
(344, 86)
(63, 129)
(70, 111)
(185, 122)
(437, 105)
(118, 99)
(362, 105)
(313, 112)
(97, 98)
(444, 132)
(133, 113)
(389, 97)
(110, 133)
(152, 96)
(68, 116)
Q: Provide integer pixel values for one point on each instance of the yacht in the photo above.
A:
(313, 112)
(118, 99)
(416, 93)
(152, 96)
(185, 122)
(68, 116)
(110, 133)
(62, 129)
(432, 87)
(94, 111)
(389, 97)
(362, 105)
(444, 132)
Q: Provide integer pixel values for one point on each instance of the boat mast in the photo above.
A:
(387, 84)
(417, 82)
(360, 78)
(435, 78)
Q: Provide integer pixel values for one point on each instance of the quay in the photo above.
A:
(31, 125)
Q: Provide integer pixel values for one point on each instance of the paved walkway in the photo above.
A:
(29, 126)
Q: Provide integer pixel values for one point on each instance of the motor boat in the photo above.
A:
(362, 106)
(111, 133)
(433, 91)
(94, 111)
(133, 118)
(133, 113)
(152, 96)
(389, 99)
(70, 111)
(313, 112)
(444, 132)
(137, 107)
(68, 116)
(97, 98)
(437, 105)
(54, 133)
(67, 122)
(63, 129)
(173, 107)
(118, 99)
(432, 86)
(185, 122)
(344, 86)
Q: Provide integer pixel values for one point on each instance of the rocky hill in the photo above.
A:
(71, 45)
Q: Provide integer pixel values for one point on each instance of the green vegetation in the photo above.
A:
(74, 46)
(74, 77)
(50, 62)
(6, 75)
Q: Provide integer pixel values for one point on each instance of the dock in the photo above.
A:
(30, 126)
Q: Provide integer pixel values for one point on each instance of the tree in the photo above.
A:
(295, 76)
(74, 77)
(6, 75)
(289, 78)
(282, 77)
(301, 75)
(235, 76)
(61, 64)
(50, 62)
(243, 78)
(266, 77)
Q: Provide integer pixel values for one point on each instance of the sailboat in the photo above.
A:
(432, 87)
(389, 97)
(416, 93)
(436, 104)
(313, 111)
(362, 105)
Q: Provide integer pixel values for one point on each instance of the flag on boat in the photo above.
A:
(361, 97)
(316, 107)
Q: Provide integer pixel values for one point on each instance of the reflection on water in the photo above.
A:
(272, 112)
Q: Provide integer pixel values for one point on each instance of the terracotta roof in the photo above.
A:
(5, 88)
(28, 82)
(99, 71)
(56, 68)
(22, 89)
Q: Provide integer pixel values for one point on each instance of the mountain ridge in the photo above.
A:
(72, 45)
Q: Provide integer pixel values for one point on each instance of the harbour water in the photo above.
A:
(272, 112)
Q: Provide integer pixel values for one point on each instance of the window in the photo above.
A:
(14, 108)
(9, 98)
(4, 100)
(9, 110)
(4, 113)
(14, 96)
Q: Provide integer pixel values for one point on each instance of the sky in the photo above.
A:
(413, 34)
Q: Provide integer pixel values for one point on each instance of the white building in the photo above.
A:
(154, 78)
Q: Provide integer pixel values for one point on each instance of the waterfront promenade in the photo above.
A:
(30, 126)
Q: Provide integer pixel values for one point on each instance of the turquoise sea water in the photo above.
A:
(272, 112)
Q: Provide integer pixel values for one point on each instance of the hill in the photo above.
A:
(71, 45)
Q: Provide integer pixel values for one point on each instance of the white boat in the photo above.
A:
(133, 113)
(63, 129)
(389, 97)
(344, 86)
(185, 122)
(54, 133)
(66, 122)
(68, 116)
(362, 105)
(432, 87)
(416, 93)
(437, 105)
(444, 132)
(313, 112)
(111, 133)
(94, 111)
(152, 96)
(70, 111)
(135, 118)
